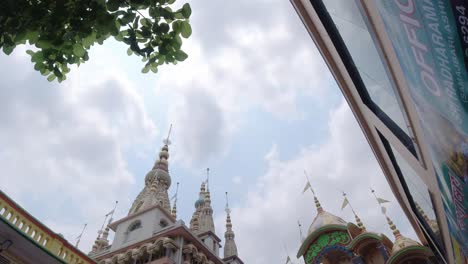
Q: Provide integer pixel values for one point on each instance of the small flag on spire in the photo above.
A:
(382, 201)
(345, 203)
(167, 141)
(306, 187)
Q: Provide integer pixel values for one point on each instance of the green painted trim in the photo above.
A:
(361, 237)
(420, 249)
(334, 239)
(32, 241)
(310, 238)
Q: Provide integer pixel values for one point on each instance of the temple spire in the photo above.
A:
(207, 179)
(309, 186)
(206, 217)
(381, 201)
(230, 248)
(102, 238)
(199, 203)
(358, 220)
(157, 183)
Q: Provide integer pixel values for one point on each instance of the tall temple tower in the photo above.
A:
(230, 247)
(151, 233)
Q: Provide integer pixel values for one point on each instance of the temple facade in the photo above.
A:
(332, 240)
(151, 232)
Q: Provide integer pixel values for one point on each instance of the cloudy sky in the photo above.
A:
(254, 102)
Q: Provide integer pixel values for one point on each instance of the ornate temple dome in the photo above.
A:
(403, 242)
(150, 176)
(199, 202)
(163, 176)
(324, 218)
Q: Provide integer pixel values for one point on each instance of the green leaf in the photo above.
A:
(176, 26)
(186, 10)
(119, 37)
(30, 52)
(135, 22)
(179, 15)
(8, 49)
(32, 36)
(39, 66)
(89, 40)
(164, 27)
(180, 55)
(78, 50)
(146, 22)
(51, 77)
(37, 56)
(145, 69)
(43, 44)
(129, 51)
(112, 5)
(186, 29)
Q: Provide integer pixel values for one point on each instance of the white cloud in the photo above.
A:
(200, 128)
(275, 204)
(245, 61)
(63, 153)
(237, 180)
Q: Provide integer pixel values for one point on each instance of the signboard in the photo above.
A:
(430, 38)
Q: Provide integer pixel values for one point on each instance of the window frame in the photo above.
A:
(134, 226)
(434, 244)
(361, 88)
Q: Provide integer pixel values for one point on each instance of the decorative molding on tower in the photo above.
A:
(174, 207)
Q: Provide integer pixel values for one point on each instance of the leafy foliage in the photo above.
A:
(63, 31)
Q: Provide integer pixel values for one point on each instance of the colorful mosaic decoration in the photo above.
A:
(325, 241)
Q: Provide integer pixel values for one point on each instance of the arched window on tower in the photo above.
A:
(134, 225)
(163, 223)
(133, 231)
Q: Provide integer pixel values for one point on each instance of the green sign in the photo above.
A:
(430, 38)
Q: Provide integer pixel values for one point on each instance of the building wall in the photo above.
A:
(151, 223)
(353, 40)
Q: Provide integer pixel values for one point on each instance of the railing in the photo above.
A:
(39, 233)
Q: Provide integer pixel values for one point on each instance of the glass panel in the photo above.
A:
(420, 194)
(354, 32)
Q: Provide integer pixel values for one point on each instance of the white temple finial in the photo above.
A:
(309, 186)
(111, 213)
(346, 202)
(390, 223)
(228, 211)
(230, 248)
(167, 141)
(78, 238)
(208, 179)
